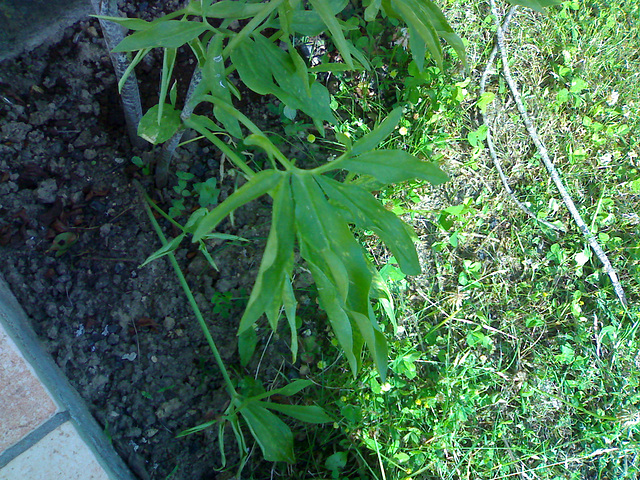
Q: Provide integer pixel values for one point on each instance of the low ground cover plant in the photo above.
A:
(316, 208)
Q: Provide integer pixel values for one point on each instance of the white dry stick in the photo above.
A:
(492, 149)
(542, 150)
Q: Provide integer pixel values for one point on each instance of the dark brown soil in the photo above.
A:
(73, 233)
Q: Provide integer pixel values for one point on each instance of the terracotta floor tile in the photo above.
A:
(61, 455)
(24, 402)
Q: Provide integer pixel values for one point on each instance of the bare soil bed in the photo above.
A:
(73, 233)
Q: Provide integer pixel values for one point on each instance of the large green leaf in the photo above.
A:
(168, 34)
(233, 9)
(277, 262)
(253, 67)
(394, 166)
(290, 305)
(271, 433)
(372, 139)
(309, 23)
(309, 207)
(439, 22)
(257, 186)
(367, 213)
(323, 7)
(304, 413)
(157, 129)
(334, 306)
(416, 18)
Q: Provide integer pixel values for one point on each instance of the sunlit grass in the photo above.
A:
(512, 357)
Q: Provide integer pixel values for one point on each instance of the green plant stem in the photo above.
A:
(223, 147)
(329, 166)
(192, 301)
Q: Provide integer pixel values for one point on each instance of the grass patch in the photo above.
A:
(511, 357)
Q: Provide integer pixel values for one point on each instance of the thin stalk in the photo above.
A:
(192, 301)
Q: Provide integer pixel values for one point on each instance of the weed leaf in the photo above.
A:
(165, 250)
(304, 413)
(271, 433)
(158, 129)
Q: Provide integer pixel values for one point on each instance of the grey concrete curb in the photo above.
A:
(18, 327)
(26, 24)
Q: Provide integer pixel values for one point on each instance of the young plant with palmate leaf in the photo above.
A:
(311, 207)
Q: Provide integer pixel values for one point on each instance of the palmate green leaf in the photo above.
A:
(372, 139)
(330, 301)
(304, 413)
(271, 433)
(537, 5)
(368, 213)
(394, 166)
(323, 7)
(157, 129)
(167, 34)
(311, 230)
(323, 232)
(277, 262)
(258, 185)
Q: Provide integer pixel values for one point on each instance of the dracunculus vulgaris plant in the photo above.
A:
(313, 210)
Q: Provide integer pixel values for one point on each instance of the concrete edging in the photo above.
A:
(18, 327)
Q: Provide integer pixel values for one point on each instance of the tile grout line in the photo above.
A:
(33, 437)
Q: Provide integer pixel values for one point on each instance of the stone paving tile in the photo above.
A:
(24, 402)
(61, 455)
